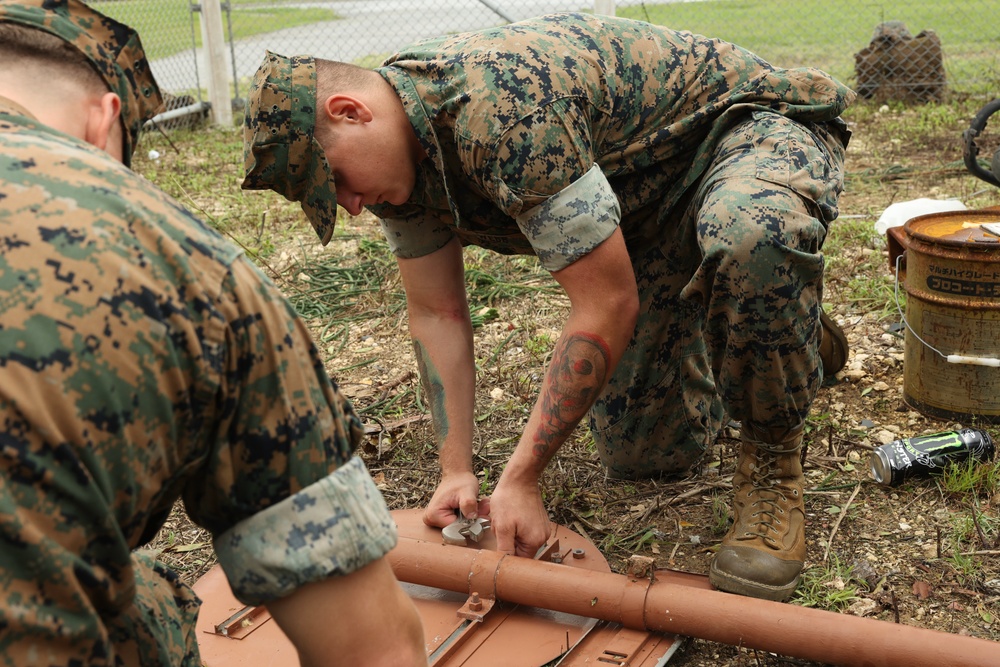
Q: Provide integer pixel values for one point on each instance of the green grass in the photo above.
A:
(827, 586)
(970, 533)
(171, 27)
(824, 34)
(539, 345)
(720, 514)
(968, 569)
(981, 479)
(975, 529)
(869, 284)
(491, 279)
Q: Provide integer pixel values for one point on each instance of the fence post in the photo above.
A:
(604, 7)
(215, 60)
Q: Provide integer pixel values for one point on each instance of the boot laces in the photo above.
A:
(765, 521)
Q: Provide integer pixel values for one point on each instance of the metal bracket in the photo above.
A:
(550, 552)
(641, 567)
(475, 608)
(243, 622)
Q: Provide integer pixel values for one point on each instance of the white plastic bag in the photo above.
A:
(897, 214)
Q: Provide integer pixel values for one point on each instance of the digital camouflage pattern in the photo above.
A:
(730, 299)
(510, 116)
(724, 172)
(333, 527)
(144, 359)
(113, 48)
(280, 152)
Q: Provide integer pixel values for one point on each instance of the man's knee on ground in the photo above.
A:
(627, 460)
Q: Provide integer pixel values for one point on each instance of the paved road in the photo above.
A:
(367, 28)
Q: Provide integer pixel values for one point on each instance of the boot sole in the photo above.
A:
(733, 584)
(835, 355)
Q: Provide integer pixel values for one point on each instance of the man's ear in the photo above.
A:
(346, 108)
(103, 129)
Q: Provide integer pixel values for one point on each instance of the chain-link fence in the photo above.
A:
(912, 50)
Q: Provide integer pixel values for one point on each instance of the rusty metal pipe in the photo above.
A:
(664, 606)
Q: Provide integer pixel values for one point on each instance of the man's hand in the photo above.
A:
(458, 491)
(518, 518)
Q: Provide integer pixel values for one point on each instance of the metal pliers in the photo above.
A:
(461, 530)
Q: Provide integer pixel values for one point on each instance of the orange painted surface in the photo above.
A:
(498, 634)
(602, 617)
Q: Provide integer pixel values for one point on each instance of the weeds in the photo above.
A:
(491, 278)
(975, 530)
(485, 486)
(853, 251)
(720, 515)
(972, 477)
(539, 345)
(967, 568)
(829, 586)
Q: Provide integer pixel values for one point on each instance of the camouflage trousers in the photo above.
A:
(730, 287)
(159, 627)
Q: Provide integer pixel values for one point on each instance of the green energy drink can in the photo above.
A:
(900, 460)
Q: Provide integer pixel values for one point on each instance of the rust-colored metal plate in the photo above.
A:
(265, 646)
(610, 644)
(458, 629)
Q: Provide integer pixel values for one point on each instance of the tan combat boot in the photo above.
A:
(764, 550)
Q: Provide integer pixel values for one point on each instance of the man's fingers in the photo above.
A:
(530, 543)
(470, 508)
(439, 517)
(505, 542)
(484, 506)
(528, 550)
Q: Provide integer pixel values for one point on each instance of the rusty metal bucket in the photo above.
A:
(949, 265)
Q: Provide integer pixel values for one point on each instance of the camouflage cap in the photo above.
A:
(280, 152)
(112, 47)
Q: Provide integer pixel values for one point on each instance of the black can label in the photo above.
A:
(923, 455)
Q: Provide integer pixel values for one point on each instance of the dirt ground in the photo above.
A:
(896, 548)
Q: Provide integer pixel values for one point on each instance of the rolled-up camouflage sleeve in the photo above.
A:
(414, 232)
(333, 527)
(283, 455)
(543, 173)
(571, 223)
(143, 356)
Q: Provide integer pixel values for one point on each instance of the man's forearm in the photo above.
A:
(375, 601)
(434, 392)
(441, 329)
(580, 367)
(447, 377)
(604, 307)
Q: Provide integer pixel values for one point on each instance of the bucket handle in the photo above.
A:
(950, 358)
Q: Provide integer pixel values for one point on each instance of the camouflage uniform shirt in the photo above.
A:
(143, 359)
(544, 135)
